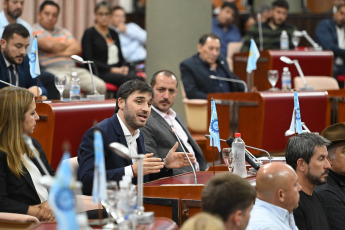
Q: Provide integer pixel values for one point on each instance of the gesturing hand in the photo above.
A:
(150, 165)
(175, 160)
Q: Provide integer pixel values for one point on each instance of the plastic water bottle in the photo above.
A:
(74, 90)
(284, 41)
(239, 156)
(286, 79)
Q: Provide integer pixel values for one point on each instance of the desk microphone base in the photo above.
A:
(145, 218)
(95, 97)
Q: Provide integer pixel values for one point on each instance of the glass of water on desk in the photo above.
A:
(273, 78)
(228, 158)
(60, 83)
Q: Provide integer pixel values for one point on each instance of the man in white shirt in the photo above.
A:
(165, 125)
(277, 195)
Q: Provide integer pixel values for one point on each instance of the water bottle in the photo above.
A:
(74, 89)
(284, 41)
(286, 79)
(239, 156)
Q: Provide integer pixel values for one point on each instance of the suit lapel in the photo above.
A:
(4, 71)
(120, 135)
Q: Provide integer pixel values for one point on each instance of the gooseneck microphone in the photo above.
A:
(179, 141)
(231, 80)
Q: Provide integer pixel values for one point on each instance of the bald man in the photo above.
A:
(277, 195)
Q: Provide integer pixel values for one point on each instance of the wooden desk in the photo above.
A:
(62, 122)
(313, 63)
(262, 118)
(177, 197)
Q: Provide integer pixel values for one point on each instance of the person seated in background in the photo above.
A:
(55, 47)
(332, 193)
(223, 26)
(133, 108)
(265, 11)
(203, 221)
(336, 4)
(277, 195)
(229, 197)
(132, 37)
(20, 190)
(196, 70)
(14, 62)
(102, 45)
(158, 135)
(307, 154)
(271, 29)
(330, 34)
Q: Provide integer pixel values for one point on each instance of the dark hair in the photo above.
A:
(166, 73)
(15, 28)
(117, 8)
(280, 3)
(303, 146)
(264, 9)
(203, 38)
(131, 86)
(230, 5)
(49, 3)
(100, 4)
(225, 193)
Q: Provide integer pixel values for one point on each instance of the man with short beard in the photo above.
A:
(272, 28)
(307, 154)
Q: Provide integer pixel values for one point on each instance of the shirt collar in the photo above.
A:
(171, 113)
(280, 213)
(125, 130)
(7, 62)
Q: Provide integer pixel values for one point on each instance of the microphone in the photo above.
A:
(310, 40)
(231, 80)
(6, 83)
(178, 139)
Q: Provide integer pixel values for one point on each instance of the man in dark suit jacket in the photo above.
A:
(132, 110)
(333, 192)
(14, 43)
(158, 134)
(195, 71)
(327, 36)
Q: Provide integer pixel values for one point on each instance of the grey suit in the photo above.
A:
(159, 139)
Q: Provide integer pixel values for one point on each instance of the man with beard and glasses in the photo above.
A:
(307, 154)
(272, 28)
(158, 134)
(133, 108)
(14, 63)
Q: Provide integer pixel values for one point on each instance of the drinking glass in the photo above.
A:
(60, 83)
(110, 203)
(273, 78)
(228, 158)
(295, 39)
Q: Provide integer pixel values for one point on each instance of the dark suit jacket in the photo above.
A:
(332, 196)
(159, 139)
(111, 132)
(326, 36)
(195, 76)
(24, 76)
(17, 194)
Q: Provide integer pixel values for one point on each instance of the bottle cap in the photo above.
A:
(284, 32)
(237, 135)
(285, 69)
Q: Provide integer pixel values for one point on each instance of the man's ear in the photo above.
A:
(121, 103)
(3, 43)
(199, 47)
(235, 218)
(280, 195)
(301, 165)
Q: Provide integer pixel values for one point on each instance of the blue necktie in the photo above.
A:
(12, 75)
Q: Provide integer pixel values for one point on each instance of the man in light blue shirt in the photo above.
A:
(277, 195)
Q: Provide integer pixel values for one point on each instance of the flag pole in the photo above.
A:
(213, 157)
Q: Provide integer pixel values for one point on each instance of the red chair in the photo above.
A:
(341, 80)
(111, 90)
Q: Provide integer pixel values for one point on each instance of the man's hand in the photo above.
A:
(150, 165)
(41, 211)
(122, 27)
(175, 160)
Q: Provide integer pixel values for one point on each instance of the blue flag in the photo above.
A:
(254, 55)
(34, 61)
(298, 125)
(214, 128)
(99, 192)
(61, 197)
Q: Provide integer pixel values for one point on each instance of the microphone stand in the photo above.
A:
(179, 141)
(260, 32)
(231, 80)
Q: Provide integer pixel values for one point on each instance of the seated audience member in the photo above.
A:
(265, 11)
(277, 195)
(55, 47)
(333, 193)
(132, 37)
(203, 221)
(336, 4)
(101, 44)
(20, 190)
(133, 107)
(307, 154)
(230, 197)
(330, 35)
(271, 29)
(246, 22)
(14, 63)
(195, 71)
(158, 136)
(223, 26)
